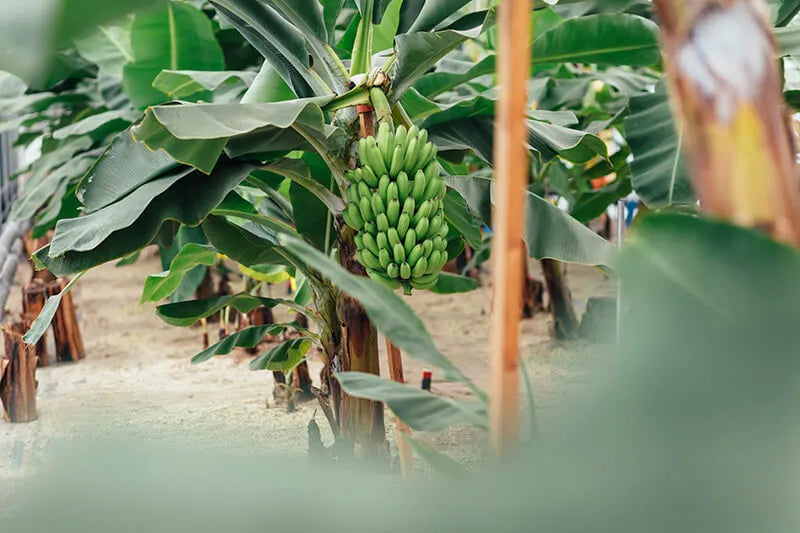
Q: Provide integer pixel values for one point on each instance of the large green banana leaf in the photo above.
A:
(176, 37)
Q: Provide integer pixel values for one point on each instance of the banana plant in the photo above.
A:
(264, 177)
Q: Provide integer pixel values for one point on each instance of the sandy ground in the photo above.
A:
(137, 380)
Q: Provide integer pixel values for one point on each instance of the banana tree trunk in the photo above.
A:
(565, 323)
(726, 90)
(360, 420)
(354, 347)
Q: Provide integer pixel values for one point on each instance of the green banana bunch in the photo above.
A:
(394, 202)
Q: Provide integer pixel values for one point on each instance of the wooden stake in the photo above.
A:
(204, 326)
(395, 358)
(18, 376)
(66, 330)
(511, 173)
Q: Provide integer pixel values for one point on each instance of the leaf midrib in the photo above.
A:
(594, 53)
(117, 44)
(173, 45)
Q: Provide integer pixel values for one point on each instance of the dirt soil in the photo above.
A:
(136, 378)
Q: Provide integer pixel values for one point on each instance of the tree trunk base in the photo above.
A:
(66, 330)
(565, 323)
(34, 295)
(30, 245)
(532, 292)
(18, 376)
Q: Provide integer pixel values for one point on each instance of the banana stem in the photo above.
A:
(383, 111)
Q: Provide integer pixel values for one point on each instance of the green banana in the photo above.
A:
(393, 237)
(419, 268)
(432, 188)
(436, 223)
(422, 226)
(386, 142)
(415, 255)
(392, 192)
(368, 259)
(402, 224)
(359, 241)
(352, 194)
(393, 211)
(371, 244)
(370, 227)
(377, 204)
(417, 284)
(363, 190)
(365, 207)
(412, 152)
(422, 212)
(405, 271)
(347, 219)
(423, 137)
(400, 136)
(396, 164)
(362, 152)
(382, 222)
(431, 170)
(369, 177)
(427, 247)
(377, 276)
(381, 240)
(424, 156)
(444, 230)
(383, 185)
(384, 258)
(403, 185)
(409, 206)
(437, 266)
(410, 241)
(420, 181)
(375, 158)
(354, 215)
(436, 255)
(399, 253)
(393, 270)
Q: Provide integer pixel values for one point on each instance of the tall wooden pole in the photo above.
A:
(395, 358)
(727, 91)
(510, 176)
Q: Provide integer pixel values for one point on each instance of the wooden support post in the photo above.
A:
(511, 173)
(395, 358)
(727, 90)
(18, 376)
(66, 330)
(34, 295)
